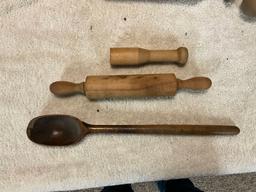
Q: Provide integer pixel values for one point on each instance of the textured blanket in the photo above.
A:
(42, 41)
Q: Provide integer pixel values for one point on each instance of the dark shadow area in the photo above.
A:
(143, 65)
(192, 92)
(118, 188)
(243, 15)
(177, 185)
(247, 18)
(228, 3)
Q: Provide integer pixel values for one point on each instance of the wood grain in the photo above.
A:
(60, 130)
(112, 86)
(166, 129)
(100, 87)
(65, 88)
(139, 56)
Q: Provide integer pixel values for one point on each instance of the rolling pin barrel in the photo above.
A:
(100, 87)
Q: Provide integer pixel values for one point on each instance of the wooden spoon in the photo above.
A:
(62, 130)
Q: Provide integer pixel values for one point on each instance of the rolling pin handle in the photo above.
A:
(65, 88)
(196, 83)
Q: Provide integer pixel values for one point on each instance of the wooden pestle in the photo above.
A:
(104, 86)
(139, 56)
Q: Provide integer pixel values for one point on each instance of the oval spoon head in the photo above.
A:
(56, 130)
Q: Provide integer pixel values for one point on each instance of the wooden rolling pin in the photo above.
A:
(138, 56)
(104, 86)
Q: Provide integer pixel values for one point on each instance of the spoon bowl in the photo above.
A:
(56, 130)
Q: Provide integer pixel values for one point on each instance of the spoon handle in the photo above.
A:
(166, 129)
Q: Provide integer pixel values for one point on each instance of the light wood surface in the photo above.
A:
(107, 86)
(139, 56)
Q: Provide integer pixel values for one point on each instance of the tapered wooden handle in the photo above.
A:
(196, 83)
(166, 129)
(139, 56)
(65, 88)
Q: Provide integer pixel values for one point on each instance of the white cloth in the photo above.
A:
(45, 41)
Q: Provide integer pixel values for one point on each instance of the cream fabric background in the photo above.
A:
(43, 41)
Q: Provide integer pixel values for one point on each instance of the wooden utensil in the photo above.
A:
(101, 87)
(66, 130)
(139, 56)
(249, 7)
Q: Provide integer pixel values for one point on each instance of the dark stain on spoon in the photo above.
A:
(55, 130)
